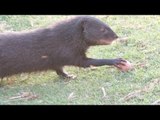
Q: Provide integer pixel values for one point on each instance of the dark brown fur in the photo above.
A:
(52, 48)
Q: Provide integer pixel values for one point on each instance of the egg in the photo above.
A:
(126, 67)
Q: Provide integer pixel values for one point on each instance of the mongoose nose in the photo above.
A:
(116, 36)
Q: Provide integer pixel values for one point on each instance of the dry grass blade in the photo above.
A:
(71, 96)
(104, 92)
(149, 87)
(157, 102)
(132, 95)
(25, 95)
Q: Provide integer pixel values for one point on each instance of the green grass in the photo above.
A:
(143, 46)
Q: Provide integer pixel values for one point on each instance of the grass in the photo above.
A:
(142, 47)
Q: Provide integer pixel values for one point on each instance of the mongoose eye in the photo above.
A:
(102, 29)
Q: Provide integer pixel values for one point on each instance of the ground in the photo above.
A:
(100, 86)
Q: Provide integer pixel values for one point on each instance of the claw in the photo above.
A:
(120, 61)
